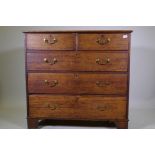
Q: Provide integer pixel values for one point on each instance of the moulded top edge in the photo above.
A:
(81, 31)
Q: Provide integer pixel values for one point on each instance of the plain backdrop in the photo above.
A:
(12, 75)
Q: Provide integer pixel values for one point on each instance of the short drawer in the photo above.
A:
(97, 41)
(77, 83)
(51, 41)
(77, 61)
(77, 107)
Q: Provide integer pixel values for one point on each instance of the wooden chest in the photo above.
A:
(77, 75)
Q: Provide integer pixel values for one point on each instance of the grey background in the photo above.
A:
(12, 76)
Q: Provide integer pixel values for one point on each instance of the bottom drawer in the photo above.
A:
(77, 107)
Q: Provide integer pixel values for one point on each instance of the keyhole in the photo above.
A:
(76, 76)
(77, 55)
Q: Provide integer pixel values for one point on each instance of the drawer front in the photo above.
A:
(77, 83)
(103, 41)
(51, 41)
(77, 61)
(77, 107)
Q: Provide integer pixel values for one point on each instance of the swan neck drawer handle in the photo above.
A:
(103, 62)
(52, 107)
(102, 84)
(103, 40)
(50, 40)
(51, 83)
(52, 62)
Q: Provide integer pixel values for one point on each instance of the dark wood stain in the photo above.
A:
(89, 81)
(80, 83)
(77, 61)
(77, 107)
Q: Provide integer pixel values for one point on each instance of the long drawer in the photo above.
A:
(77, 83)
(77, 107)
(77, 61)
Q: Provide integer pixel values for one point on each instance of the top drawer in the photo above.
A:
(96, 41)
(51, 41)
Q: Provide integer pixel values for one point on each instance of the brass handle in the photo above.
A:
(52, 83)
(52, 62)
(52, 107)
(102, 108)
(46, 60)
(102, 62)
(50, 40)
(103, 40)
(102, 83)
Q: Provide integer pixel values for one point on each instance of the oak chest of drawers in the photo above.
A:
(77, 75)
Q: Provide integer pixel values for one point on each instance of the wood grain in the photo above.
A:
(64, 41)
(77, 107)
(78, 83)
(77, 61)
(88, 42)
(86, 89)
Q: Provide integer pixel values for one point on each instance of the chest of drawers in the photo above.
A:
(77, 75)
